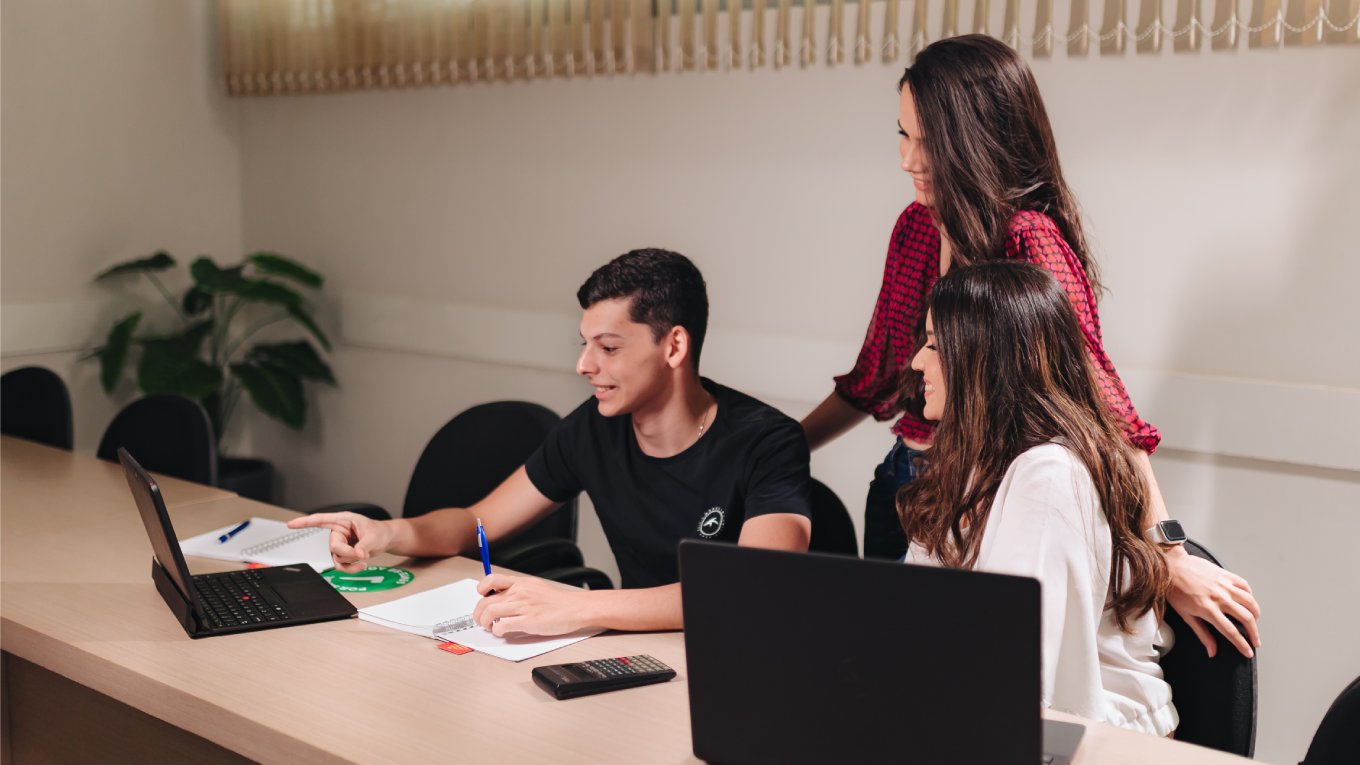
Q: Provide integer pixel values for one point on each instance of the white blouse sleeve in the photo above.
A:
(1046, 523)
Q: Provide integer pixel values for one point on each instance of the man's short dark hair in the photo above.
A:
(665, 288)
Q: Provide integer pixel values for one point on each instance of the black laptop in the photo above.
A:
(232, 601)
(808, 658)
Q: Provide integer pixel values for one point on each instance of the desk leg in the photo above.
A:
(51, 719)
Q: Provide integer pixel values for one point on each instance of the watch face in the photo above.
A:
(1172, 531)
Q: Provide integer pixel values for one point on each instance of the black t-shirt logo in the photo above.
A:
(711, 523)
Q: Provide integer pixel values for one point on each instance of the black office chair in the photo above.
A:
(832, 529)
(1337, 740)
(35, 405)
(167, 434)
(468, 458)
(1216, 697)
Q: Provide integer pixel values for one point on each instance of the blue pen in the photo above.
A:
(486, 549)
(242, 527)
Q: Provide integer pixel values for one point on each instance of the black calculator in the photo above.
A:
(582, 678)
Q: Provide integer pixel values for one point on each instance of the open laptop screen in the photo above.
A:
(150, 505)
(799, 657)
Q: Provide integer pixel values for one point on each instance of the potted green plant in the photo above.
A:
(213, 355)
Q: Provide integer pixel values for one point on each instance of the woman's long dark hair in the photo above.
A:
(990, 147)
(1016, 375)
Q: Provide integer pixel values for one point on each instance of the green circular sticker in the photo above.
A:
(371, 579)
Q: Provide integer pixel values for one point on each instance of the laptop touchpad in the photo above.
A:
(296, 592)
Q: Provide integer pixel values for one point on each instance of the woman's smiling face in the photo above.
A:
(927, 362)
(913, 148)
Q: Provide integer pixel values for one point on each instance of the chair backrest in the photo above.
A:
(1337, 741)
(166, 434)
(35, 405)
(832, 529)
(477, 450)
(1216, 697)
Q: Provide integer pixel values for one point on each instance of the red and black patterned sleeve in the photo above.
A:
(873, 385)
(1035, 238)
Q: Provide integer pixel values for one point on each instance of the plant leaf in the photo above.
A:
(196, 301)
(167, 367)
(191, 339)
(229, 281)
(171, 364)
(264, 291)
(275, 264)
(158, 262)
(113, 355)
(275, 391)
(298, 358)
(211, 279)
(302, 317)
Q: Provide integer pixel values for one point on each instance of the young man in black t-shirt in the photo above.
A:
(663, 454)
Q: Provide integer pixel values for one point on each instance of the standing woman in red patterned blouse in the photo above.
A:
(976, 140)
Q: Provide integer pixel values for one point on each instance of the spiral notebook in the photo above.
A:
(445, 613)
(264, 541)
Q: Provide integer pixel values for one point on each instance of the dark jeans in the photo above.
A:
(883, 537)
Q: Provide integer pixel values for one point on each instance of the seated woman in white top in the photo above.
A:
(1030, 474)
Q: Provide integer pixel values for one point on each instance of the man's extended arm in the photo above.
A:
(535, 606)
(512, 506)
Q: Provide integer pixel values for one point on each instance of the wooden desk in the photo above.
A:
(78, 602)
(35, 475)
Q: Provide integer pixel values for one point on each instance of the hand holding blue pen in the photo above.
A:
(239, 528)
(486, 549)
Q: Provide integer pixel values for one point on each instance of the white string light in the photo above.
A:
(557, 50)
(1046, 34)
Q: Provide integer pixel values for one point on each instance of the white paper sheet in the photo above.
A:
(265, 541)
(418, 614)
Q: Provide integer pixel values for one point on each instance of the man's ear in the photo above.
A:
(677, 347)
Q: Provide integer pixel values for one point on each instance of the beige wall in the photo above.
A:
(116, 143)
(454, 225)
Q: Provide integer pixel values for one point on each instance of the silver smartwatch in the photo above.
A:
(1167, 533)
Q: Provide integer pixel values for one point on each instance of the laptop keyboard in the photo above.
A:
(233, 599)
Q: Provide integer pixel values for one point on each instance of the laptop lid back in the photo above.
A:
(150, 505)
(801, 657)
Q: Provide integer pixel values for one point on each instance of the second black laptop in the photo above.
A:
(807, 658)
(232, 601)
